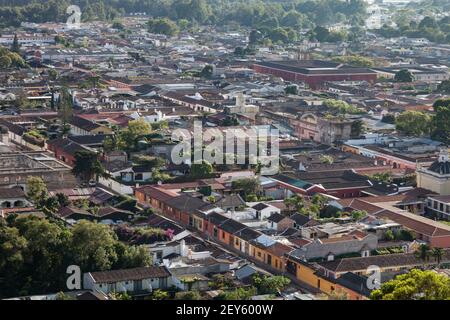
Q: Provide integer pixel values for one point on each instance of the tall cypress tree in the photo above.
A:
(15, 47)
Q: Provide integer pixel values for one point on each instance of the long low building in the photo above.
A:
(314, 72)
(435, 233)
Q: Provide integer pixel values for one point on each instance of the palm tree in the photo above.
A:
(423, 253)
(437, 253)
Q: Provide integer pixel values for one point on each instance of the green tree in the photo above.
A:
(358, 214)
(183, 24)
(120, 296)
(88, 166)
(207, 71)
(238, 294)
(189, 295)
(111, 143)
(5, 62)
(50, 206)
(52, 74)
(117, 25)
(338, 294)
(270, 285)
(415, 285)
(36, 189)
(357, 129)
(131, 256)
(65, 106)
(220, 282)
(428, 22)
(441, 120)
(161, 125)
(15, 47)
(423, 253)
(437, 254)
(295, 202)
(251, 197)
(444, 87)
(201, 170)
(127, 138)
(389, 235)
(163, 26)
(404, 235)
(404, 75)
(230, 120)
(319, 199)
(239, 51)
(246, 186)
(45, 254)
(279, 35)
(254, 37)
(35, 252)
(292, 89)
(388, 118)
(341, 106)
(293, 19)
(93, 246)
(63, 296)
(139, 128)
(63, 200)
(159, 294)
(149, 161)
(385, 177)
(320, 33)
(414, 123)
(12, 257)
(355, 60)
(326, 159)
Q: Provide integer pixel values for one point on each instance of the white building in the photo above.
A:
(133, 281)
(263, 210)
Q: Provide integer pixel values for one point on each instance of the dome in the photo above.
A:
(442, 165)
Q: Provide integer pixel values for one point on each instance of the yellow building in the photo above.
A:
(311, 276)
(437, 177)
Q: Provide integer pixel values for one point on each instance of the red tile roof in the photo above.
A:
(417, 223)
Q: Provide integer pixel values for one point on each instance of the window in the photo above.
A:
(223, 235)
(138, 176)
(215, 232)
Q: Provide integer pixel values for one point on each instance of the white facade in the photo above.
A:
(131, 286)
